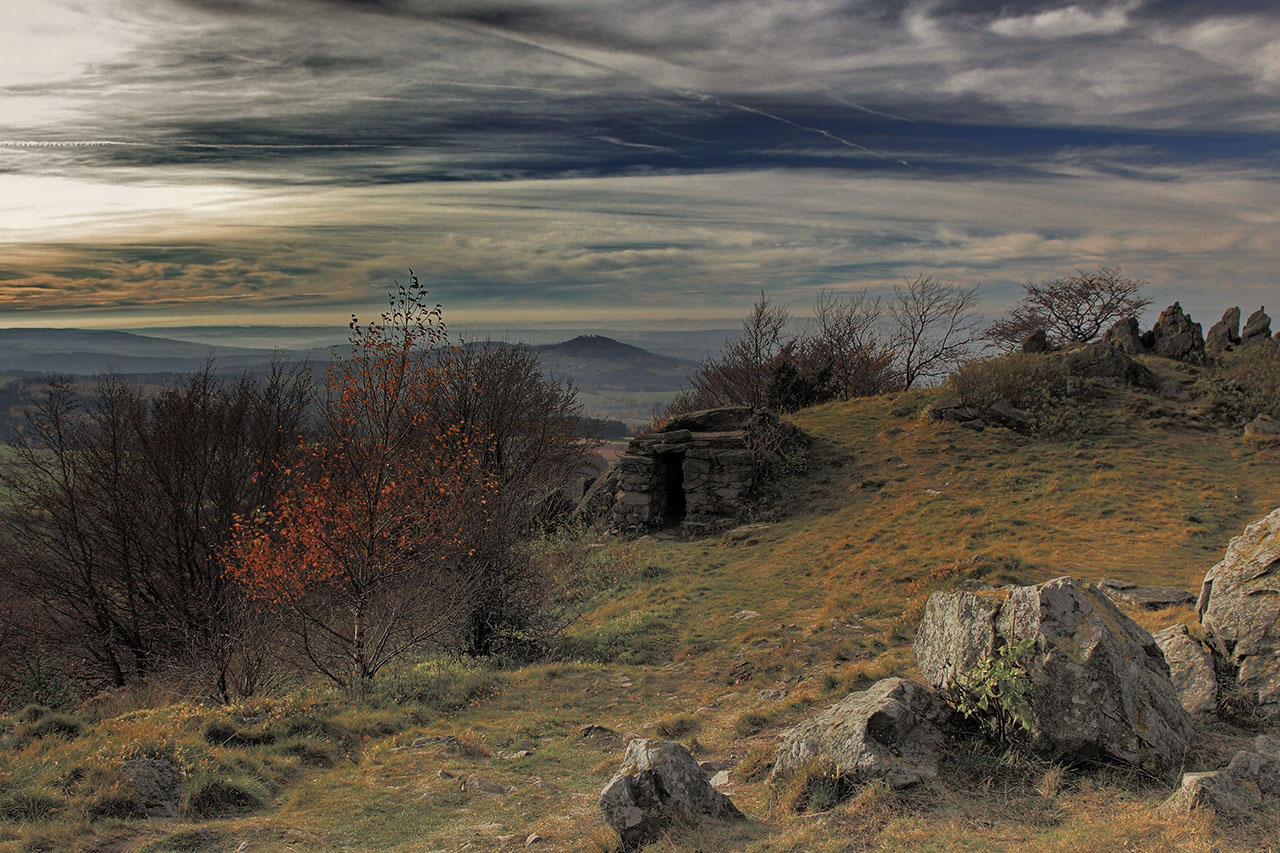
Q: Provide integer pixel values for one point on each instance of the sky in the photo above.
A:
(625, 163)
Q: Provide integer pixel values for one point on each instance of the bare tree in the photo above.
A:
(525, 428)
(1074, 309)
(119, 506)
(846, 333)
(936, 326)
(739, 375)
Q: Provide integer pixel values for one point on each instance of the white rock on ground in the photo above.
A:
(1248, 782)
(1191, 667)
(659, 781)
(1240, 610)
(888, 731)
(1100, 689)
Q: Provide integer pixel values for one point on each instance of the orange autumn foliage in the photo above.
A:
(367, 545)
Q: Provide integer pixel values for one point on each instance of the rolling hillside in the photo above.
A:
(614, 380)
(724, 642)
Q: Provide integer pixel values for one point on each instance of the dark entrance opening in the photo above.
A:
(669, 482)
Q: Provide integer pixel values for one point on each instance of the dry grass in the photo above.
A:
(895, 507)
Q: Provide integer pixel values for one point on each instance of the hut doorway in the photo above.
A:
(669, 488)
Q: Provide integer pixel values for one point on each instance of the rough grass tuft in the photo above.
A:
(675, 727)
(215, 795)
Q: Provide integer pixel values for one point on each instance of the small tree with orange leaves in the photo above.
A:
(365, 550)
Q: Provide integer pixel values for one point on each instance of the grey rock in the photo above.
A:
(710, 420)
(1263, 426)
(1037, 341)
(889, 731)
(701, 472)
(1100, 689)
(1224, 334)
(659, 782)
(1251, 780)
(1240, 610)
(1107, 363)
(1175, 335)
(599, 498)
(477, 784)
(1124, 336)
(1191, 668)
(158, 784)
(1257, 327)
(1148, 597)
(594, 732)
(1005, 414)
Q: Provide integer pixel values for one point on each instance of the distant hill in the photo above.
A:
(615, 380)
(597, 363)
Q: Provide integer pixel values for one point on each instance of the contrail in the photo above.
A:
(841, 99)
(689, 95)
(828, 134)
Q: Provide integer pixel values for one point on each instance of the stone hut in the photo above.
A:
(700, 471)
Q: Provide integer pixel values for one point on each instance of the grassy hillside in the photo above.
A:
(894, 505)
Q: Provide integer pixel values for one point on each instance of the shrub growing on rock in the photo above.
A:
(1041, 385)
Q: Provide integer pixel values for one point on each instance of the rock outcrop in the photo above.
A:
(1191, 668)
(1107, 363)
(1224, 334)
(702, 470)
(1148, 597)
(659, 782)
(1036, 342)
(889, 731)
(1001, 413)
(1124, 336)
(1175, 335)
(1100, 689)
(1240, 610)
(1249, 781)
(1257, 327)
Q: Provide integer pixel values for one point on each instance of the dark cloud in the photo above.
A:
(428, 122)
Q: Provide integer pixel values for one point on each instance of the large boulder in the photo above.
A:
(1251, 780)
(659, 782)
(1175, 335)
(889, 731)
(1124, 336)
(1224, 334)
(1257, 327)
(1240, 610)
(1107, 363)
(1191, 667)
(1036, 342)
(1099, 686)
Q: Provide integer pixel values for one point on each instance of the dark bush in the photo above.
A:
(31, 713)
(1245, 384)
(55, 725)
(1036, 383)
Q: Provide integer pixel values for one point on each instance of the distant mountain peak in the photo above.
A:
(593, 345)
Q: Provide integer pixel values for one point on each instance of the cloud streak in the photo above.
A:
(608, 156)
